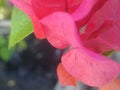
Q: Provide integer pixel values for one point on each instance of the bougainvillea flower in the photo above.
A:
(56, 20)
(105, 30)
(88, 67)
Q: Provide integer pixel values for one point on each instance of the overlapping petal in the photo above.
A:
(90, 68)
(46, 7)
(97, 45)
(86, 9)
(59, 33)
(64, 77)
(105, 25)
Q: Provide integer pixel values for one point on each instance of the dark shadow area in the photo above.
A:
(33, 68)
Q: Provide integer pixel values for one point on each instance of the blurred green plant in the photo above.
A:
(5, 10)
(5, 53)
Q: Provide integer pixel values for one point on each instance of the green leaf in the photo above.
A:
(21, 27)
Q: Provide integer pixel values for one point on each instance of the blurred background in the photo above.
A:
(31, 64)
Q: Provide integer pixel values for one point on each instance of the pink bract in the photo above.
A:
(104, 26)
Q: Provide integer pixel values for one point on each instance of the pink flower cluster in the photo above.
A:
(88, 27)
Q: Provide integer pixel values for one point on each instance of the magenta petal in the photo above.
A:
(98, 45)
(72, 5)
(43, 8)
(86, 9)
(106, 24)
(59, 29)
(38, 29)
(90, 68)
